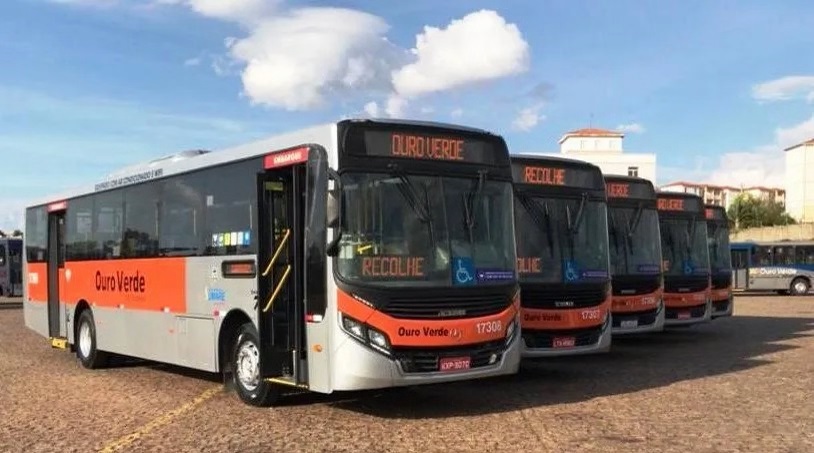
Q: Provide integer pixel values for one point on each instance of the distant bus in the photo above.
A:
(720, 261)
(562, 247)
(783, 266)
(635, 254)
(247, 262)
(685, 255)
(11, 267)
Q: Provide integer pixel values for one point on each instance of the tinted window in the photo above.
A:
(740, 259)
(2, 255)
(141, 221)
(762, 256)
(36, 234)
(182, 216)
(79, 241)
(231, 208)
(805, 254)
(108, 210)
(783, 256)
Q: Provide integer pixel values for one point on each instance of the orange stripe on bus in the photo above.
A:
(37, 282)
(720, 294)
(640, 302)
(681, 300)
(566, 318)
(442, 332)
(141, 284)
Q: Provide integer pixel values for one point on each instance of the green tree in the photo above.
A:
(17, 234)
(747, 211)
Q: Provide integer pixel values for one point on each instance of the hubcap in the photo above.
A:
(84, 339)
(800, 287)
(248, 365)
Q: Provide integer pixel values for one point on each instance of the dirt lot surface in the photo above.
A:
(738, 384)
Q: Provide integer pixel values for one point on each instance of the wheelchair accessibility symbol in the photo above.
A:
(571, 274)
(463, 273)
(688, 268)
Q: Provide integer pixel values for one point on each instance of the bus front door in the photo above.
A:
(740, 269)
(281, 314)
(56, 262)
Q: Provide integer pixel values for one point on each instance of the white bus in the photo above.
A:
(355, 255)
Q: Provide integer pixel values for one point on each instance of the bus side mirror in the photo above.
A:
(333, 209)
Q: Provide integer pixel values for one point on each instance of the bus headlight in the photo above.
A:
(510, 331)
(366, 334)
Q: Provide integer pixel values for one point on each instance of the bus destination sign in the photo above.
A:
(679, 204)
(628, 189)
(428, 147)
(546, 174)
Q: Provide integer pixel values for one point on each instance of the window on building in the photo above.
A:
(633, 171)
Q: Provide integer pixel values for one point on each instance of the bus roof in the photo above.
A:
(185, 161)
(539, 170)
(626, 187)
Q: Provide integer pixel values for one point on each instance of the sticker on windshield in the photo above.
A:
(492, 275)
(572, 272)
(648, 268)
(463, 271)
(689, 269)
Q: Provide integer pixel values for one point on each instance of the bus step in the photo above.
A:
(59, 343)
(286, 382)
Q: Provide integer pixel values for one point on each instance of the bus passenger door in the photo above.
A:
(281, 316)
(740, 269)
(56, 263)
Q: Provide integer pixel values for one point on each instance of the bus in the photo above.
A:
(635, 254)
(360, 254)
(720, 261)
(11, 267)
(685, 256)
(562, 256)
(786, 267)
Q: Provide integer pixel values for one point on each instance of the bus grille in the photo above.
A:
(645, 318)
(685, 284)
(635, 285)
(451, 306)
(426, 360)
(545, 338)
(557, 297)
(721, 281)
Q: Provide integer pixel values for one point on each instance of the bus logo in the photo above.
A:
(454, 312)
(564, 303)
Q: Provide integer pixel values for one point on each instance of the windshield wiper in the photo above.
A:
(410, 194)
(537, 214)
(469, 204)
(573, 227)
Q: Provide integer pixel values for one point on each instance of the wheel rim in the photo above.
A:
(801, 287)
(84, 339)
(248, 365)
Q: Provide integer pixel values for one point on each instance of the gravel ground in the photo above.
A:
(738, 384)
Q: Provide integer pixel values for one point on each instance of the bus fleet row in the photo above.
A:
(367, 254)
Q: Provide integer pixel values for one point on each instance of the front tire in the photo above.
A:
(799, 287)
(86, 351)
(251, 388)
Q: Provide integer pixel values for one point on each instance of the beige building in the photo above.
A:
(800, 181)
(725, 195)
(604, 148)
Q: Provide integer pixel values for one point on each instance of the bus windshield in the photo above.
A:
(634, 241)
(561, 240)
(411, 230)
(720, 257)
(684, 246)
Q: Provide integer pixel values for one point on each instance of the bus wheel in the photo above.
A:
(246, 369)
(799, 287)
(86, 350)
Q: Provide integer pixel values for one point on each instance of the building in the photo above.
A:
(604, 149)
(800, 181)
(725, 195)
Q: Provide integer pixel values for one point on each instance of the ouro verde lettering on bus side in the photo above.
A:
(121, 282)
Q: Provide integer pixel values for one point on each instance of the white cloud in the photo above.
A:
(480, 46)
(396, 107)
(456, 113)
(785, 88)
(763, 165)
(192, 61)
(528, 118)
(633, 128)
(372, 109)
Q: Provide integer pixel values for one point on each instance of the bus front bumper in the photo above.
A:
(356, 367)
(601, 345)
(706, 317)
(621, 322)
(723, 308)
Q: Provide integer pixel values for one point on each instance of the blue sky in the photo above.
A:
(715, 88)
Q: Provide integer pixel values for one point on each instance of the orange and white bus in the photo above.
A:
(720, 261)
(356, 255)
(11, 266)
(635, 251)
(562, 248)
(685, 255)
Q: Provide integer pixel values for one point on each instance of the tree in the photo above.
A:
(17, 234)
(747, 211)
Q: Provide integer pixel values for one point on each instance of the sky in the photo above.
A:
(715, 88)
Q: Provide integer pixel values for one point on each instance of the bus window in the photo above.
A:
(762, 256)
(804, 254)
(783, 256)
(2, 255)
(740, 259)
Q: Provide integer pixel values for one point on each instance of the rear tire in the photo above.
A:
(799, 287)
(251, 388)
(86, 351)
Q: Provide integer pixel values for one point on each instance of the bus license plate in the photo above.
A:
(564, 342)
(630, 323)
(684, 315)
(454, 363)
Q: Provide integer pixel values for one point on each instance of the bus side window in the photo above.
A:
(804, 254)
(2, 255)
(783, 256)
(762, 256)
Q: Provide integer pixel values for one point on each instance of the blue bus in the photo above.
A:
(11, 267)
(786, 267)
